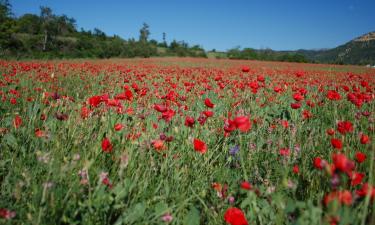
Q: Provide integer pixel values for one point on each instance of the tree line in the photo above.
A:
(266, 55)
(48, 35)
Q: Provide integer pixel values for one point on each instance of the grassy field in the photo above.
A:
(186, 141)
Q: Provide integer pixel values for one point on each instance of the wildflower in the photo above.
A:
(231, 200)
(295, 169)
(104, 179)
(336, 143)
(189, 121)
(118, 126)
(356, 178)
(208, 103)
(295, 105)
(366, 190)
(319, 163)
(17, 121)
(106, 145)
(298, 97)
(7, 214)
(208, 113)
(235, 216)
(200, 146)
(95, 101)
(365, 139)
(246, 185)
(167, 218)
(360, 157)
(342, 163)
(333, 95)
(242, 123)
(245, 69)
(158, 145)
(234, 150)
(160, 108)
(344, 127)
(284, 152)
(85, 112)
(330, 131)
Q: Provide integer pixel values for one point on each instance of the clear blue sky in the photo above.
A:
(222, 24)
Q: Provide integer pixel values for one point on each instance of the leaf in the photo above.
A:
(193, 217)
(132, 214)
(10, 140)
(160, 209)
(290, 206)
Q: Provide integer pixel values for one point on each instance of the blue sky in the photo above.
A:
(222, 24)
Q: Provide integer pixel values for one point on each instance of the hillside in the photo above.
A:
(360, 50)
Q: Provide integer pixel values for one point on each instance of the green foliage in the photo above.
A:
(53, 36)
(265, 54)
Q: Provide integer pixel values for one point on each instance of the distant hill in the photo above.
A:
(360, 50)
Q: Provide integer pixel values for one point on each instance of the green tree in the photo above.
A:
(47, 24)
(29, 23)
(5, 10)
(144, 33)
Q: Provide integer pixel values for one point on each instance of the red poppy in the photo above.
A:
(284, 123)
(319, 163)
(284, 152)
(336, 143)
(208, 113)
(360, 157)
(365, 139)
(106, 145)
(333, 95)
(235, 216)
(160, 108)
(84, 112)
(343, 197)
(344, 127)
(208, 103)
(366, 189)
(189, 121)
(242, 123)
(95, 101)
(306, 114)
(13, 101)
(200, 146)
(202, 119)
(158, 145)
(342, 163)
(168, 115)
(246, 185)
(295, 169)
(39, 133)
(17, 121)
(330, 131)
(245, 69)
(260, 78)
(298, 97)
(295, 105)
(128, 95)
(118, 126)
(356, 178)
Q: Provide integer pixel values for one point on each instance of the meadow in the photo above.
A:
(186, 141)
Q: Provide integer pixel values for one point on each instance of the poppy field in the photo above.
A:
(186, 141)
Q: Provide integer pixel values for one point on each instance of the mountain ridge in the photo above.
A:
(360, 50)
